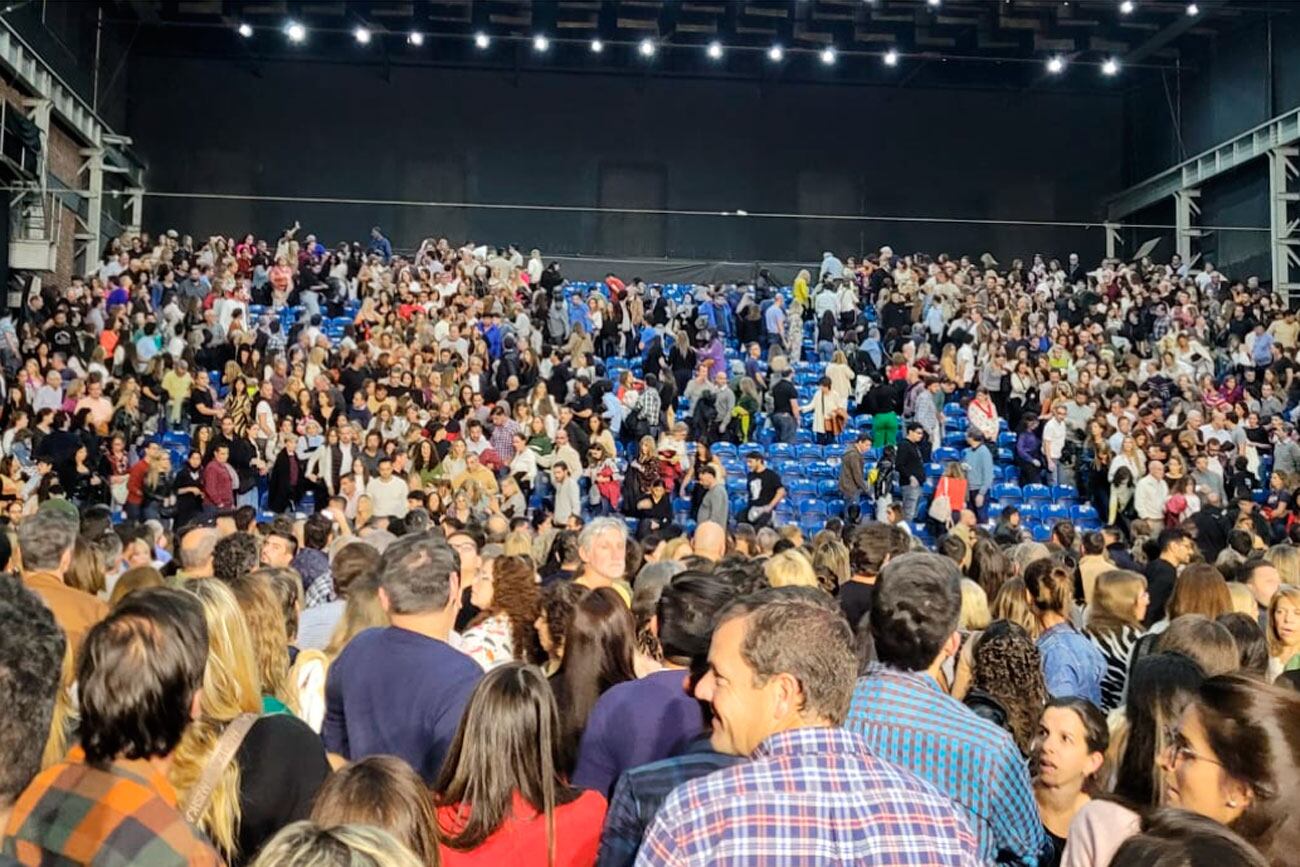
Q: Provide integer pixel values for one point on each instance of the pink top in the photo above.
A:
(1096, 833)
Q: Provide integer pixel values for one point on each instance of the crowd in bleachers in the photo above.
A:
(360, 556)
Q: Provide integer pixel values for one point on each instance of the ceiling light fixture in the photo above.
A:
(775, 53)
(295, 31)
(362, 35)
(647, 48)
(715, 50)
(597, 46)
(1193, 10)
(1056, 65)
(1127, 7)
(891, 57)
(828, 55)
(1110, 67)
(416, 38)
(481, 40)
(541, 43)
(245, 29)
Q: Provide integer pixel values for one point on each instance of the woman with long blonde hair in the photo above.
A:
(280, 764)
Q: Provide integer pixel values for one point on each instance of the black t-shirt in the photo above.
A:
(855, 600)
(762, 486)
(1160, 575)
(782, 394)
(282, 766)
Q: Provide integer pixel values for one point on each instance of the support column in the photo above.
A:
(1186, 210)
(1113, 239)
(135, 209)
(1284, 194)
(88, 239)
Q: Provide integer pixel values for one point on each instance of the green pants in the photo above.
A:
(884, 429)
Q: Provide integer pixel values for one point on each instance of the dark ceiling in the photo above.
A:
(981, 43)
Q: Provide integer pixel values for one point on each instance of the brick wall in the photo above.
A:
(64, 160)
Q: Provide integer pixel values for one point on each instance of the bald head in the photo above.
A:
(196, 552)
(710, 541)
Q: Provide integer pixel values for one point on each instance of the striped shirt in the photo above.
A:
(123, 813)
(809, 796)
(907, 719)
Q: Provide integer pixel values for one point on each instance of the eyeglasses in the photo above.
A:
(1178, 747)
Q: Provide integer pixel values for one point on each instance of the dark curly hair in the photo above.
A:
(1008, 667)
(515, 594)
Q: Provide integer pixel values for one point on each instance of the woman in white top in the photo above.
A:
(823, 405)
(841, 375)
(1128, 456)
(510, 600)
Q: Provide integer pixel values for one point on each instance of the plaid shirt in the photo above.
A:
(125, 813)
(908, 720)
(320, 592)
(641, 792)
(649, 405)
(810, 796)
(502, 442)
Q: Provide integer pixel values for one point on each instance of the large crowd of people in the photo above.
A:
(358, 556)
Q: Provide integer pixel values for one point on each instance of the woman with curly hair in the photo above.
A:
(1008, 670)
(509, 600)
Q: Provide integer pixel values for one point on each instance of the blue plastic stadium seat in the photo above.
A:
(933, 470)
(1065, 492)
(827, 488)
(944, 455)
(1007, 492)
(1030, 512)
(807, 452)
(821, 470)
(1054, 512)
(783, 450)
(1042, 493)
(1084, 512)
(1040, 532)
(1007, 439)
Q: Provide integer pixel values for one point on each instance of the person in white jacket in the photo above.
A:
(1151, 493)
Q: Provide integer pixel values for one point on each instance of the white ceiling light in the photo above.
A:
(1193, 9)
(245, 30)
(1127, 7)
(362, 35)
(775, 53)
(1110, 67)
(891, 57)
(416, 38)
(295, 31)
(541, 43)
(481, 40)
(647, 48)
(597, 46)
(715, 50)
(933, 2)
(1056, 65)
(828, 55)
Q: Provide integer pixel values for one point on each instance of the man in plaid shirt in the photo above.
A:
(109, 801)
(780, 678)
(906, 718)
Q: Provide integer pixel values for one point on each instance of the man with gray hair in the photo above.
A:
(400, 690)
(45, 542)
(779, 680)
(197, 546)
(602, 547)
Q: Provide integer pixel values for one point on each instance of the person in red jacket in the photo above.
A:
(524, 793)
(219, 480)
(135, 480)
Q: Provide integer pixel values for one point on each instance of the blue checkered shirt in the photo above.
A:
(641, 792)
(809, 796)
(907, 719)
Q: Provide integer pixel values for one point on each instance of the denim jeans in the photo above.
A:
(785, 426)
